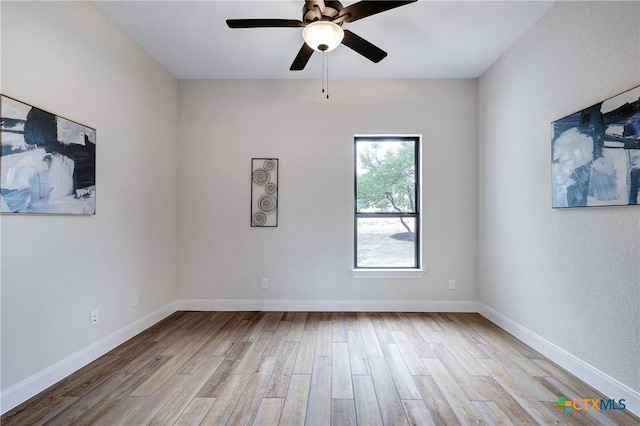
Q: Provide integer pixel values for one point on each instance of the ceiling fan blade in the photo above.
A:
(264, 23)
(302, 58)
(363, 47)
(365, 8)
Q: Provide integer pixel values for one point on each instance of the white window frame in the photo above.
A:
(395, 273)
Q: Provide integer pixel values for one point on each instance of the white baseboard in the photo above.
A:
(31, 386)
(584, 371)
(326, 305)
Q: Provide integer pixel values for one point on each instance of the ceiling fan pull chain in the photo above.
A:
(327, 75)
(323, 55)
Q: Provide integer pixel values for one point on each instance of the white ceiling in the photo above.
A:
(427, 39)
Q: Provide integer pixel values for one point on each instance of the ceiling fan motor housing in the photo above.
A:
(310, 11)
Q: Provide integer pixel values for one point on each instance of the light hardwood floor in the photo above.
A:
(311, 368)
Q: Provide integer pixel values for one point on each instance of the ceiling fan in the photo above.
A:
(322, 27)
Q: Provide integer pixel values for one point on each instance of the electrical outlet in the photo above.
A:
(452, 284)
(265, 283)
(135, 299)
(94, 318)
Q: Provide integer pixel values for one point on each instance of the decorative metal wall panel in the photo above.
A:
(264, 192)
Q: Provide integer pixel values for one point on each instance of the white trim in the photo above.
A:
(388, 273)
(327, 305)
(595, 378)
(31, 386)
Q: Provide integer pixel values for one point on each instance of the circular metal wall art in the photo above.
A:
(267, 203)
(269, 164)
(259, 218)
(264, 192)
(270, 188)
(261, 177)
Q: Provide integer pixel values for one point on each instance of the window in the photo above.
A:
(387, 202)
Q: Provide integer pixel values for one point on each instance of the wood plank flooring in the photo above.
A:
(317, 368)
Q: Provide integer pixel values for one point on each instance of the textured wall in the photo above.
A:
(309, 256)
(67, 58)
(571, 276)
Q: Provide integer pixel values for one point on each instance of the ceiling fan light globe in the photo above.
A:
(323, 36)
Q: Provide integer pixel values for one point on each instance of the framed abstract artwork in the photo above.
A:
(596, 154)
(48, 163)
(264, 192)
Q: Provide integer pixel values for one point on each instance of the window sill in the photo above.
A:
(388, 273)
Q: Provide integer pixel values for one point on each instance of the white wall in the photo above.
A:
(570, 276)
(67, 58)
(309, 256)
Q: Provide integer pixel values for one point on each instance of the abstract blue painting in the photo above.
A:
(48, 163)
(596, 154)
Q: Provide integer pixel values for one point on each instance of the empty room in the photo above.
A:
(320, 213)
